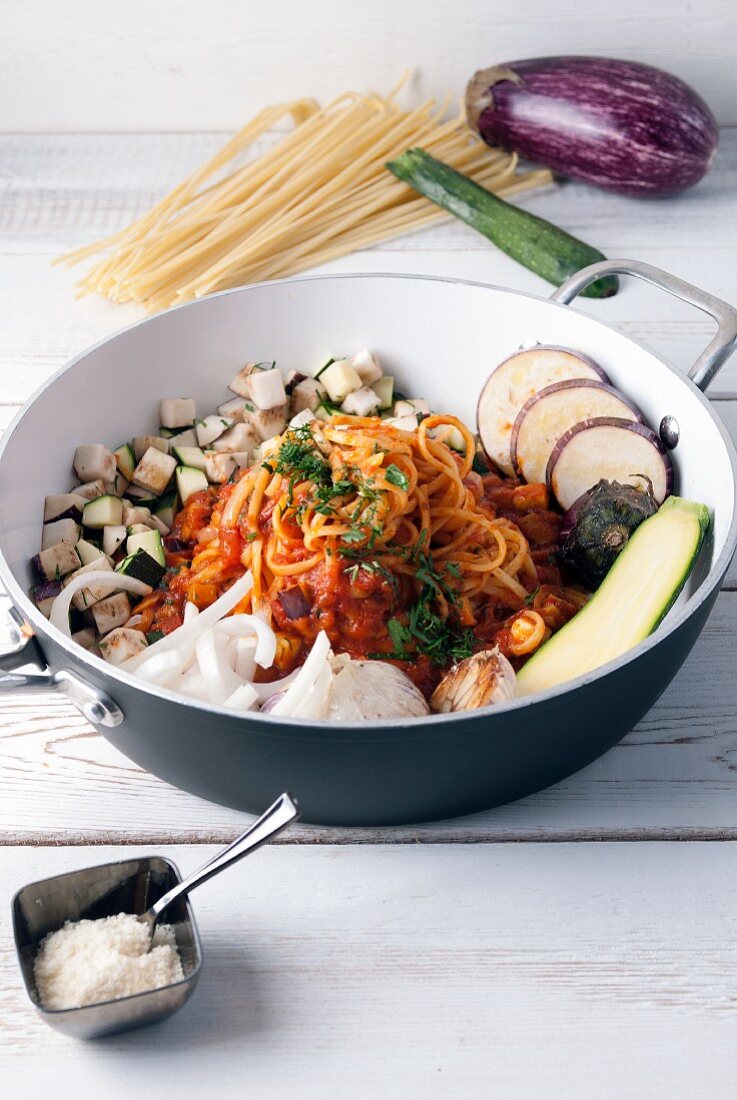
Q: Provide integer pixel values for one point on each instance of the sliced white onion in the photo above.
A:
(184, 637)
(245, 657)
(59, 616)
(162, 669)
(276, 687)
(191, 683)
(218, 677)
(306, 679)
(191, 611)
(243, 698)
(253, 624)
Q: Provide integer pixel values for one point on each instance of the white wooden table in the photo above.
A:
(577, 944)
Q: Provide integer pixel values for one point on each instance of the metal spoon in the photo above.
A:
(278, 816)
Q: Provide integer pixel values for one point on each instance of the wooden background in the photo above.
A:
(186, 65)
(577, 944)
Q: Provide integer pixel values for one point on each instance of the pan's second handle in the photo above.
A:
(721, 346)
(23, 668)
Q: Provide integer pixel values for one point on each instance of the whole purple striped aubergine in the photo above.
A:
(623, 126)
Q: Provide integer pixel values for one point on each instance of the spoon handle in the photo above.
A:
(272, 822)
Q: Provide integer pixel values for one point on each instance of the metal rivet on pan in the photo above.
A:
(670, 433)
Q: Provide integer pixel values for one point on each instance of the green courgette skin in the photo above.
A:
(550, 252)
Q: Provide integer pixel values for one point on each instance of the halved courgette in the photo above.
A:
(639, 590)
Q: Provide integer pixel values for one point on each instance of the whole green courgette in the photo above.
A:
(538, 245)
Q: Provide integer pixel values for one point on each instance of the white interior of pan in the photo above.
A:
(441, 340)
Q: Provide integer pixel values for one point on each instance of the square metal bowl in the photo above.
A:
(129, 886)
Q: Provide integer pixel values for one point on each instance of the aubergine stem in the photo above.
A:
(539, 245)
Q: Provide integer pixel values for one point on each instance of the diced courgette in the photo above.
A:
(148, 540)
(189, 481)
(637, 592)
(102, 511)
(141, 566)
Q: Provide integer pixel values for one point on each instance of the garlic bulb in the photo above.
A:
(480, 681)
(366, 690)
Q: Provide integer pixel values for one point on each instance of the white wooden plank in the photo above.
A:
(171, 66)
(119, 176)
(563, 971)
(674, 776)
(65, 190)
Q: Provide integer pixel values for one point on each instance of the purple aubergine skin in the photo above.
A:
(620, 125)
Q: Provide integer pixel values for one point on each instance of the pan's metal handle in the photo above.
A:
(23, 668)
(717, 351)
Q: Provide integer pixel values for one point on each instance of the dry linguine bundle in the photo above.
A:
(322, 191)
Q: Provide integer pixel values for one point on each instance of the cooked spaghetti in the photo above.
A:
(385, 539)
(318, 192)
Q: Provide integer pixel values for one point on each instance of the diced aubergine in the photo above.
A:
(56, 562)
(86, 637)
(87, 551)
(63, 506)
(190, 481)
(220, 465)
(135, 493)
(209, 429)
(638, 591)
(96, 590)
(142, 567)
(239, 384)
(302, 418)
(232, 409)
(268, 422)
(118, 486)
(43, 596)
(307, 394)
(611, 449)
(514, 382)
(111, 612)
(177, 412)
(113, 537)
(155, 523)
(187, 438)
(384, 388)
(135, 513)
(147, 540)
(366, 367)
(102, 512)
(93, 461)
(362, 402)
(552, 411)
(154, 471)
(239, 438)
(340, 379)
(141, 444)
(139, 528)
(266, 388)
(291, 379)
(166, 507)
(189, 456)
(90, 490)
(125, 457)
(62, 530)
(120, 644)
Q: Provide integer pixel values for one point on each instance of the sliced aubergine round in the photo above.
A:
(550, 413)
(514, 382)
(611, 448)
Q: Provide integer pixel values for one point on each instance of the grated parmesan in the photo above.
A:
(89, 961)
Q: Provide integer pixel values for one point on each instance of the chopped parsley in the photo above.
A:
(395, 476)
